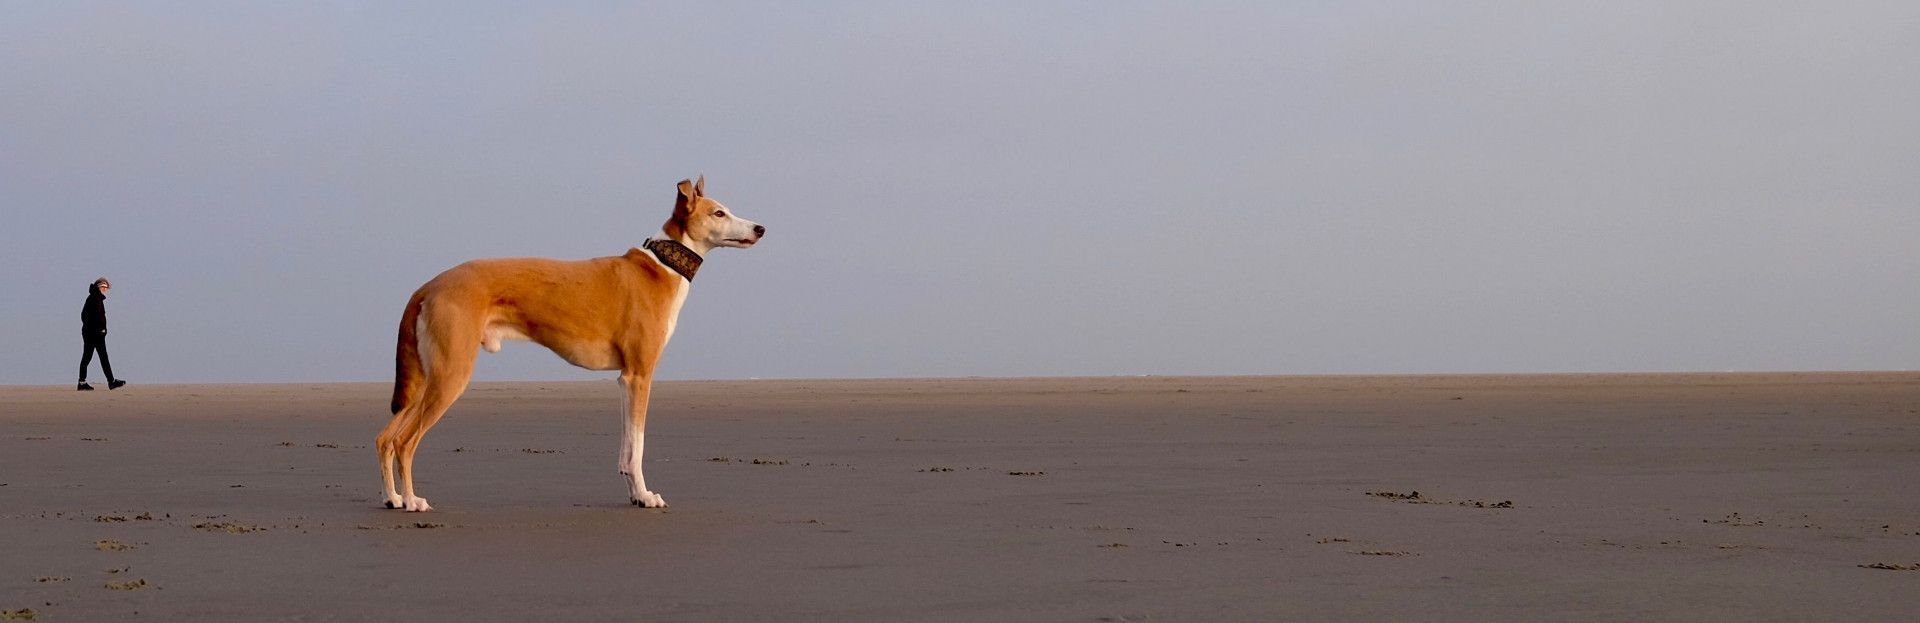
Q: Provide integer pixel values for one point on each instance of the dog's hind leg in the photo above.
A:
(446, 380)
(440, 394)
(389, 444)
(410, 365)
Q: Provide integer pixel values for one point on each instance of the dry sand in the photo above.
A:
(1695, 497)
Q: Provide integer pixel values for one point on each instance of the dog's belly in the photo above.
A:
(584, 354)
(591, 357)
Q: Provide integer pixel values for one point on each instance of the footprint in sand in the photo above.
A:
(110, 545)
(1891, 567)
(129, 585)
(229, 527)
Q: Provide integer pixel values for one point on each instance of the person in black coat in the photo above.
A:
(93, 332)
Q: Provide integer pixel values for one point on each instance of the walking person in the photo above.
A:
(93, 332)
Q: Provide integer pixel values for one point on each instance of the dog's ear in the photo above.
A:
(687, 192)
(682, 209)
(700, 187)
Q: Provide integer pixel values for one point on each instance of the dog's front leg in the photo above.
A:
(633, 443)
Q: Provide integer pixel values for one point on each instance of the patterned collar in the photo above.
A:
(676, 256)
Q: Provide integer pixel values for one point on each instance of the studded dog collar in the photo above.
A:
(676, 256)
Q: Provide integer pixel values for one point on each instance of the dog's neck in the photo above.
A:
(676, 255)
(675, 229)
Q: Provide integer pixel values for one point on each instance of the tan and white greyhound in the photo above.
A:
(606, 313)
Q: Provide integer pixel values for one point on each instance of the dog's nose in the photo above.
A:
(759, 230)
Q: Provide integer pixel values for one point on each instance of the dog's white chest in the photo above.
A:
(673, 310)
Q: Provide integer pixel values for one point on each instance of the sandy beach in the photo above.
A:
(1772, 497)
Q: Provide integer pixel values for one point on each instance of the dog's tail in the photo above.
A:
(408, 372)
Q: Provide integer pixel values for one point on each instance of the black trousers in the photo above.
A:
(94, 341)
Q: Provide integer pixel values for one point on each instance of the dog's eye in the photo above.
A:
(720, 214)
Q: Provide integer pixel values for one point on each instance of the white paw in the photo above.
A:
(393, 500)
(649, 499)
(417, 505)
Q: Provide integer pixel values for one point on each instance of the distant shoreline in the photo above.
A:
(1518, 377)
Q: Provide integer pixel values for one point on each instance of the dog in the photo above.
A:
(606, 313)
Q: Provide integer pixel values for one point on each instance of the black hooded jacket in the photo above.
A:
(93, 315)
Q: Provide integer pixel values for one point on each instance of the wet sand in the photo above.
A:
(1620, 497)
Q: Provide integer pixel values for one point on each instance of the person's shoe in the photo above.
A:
(116, 384)
(85, 387)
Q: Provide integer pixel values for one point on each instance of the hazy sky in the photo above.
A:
(979, 188)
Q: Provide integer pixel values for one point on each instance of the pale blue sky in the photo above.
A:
(997, 189)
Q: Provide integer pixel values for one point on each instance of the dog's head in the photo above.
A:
(704, 223)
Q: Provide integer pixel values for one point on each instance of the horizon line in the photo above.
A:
(1083, 376)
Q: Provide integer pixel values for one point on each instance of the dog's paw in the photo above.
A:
(417, 505)
(649, 499)
(394, 501)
